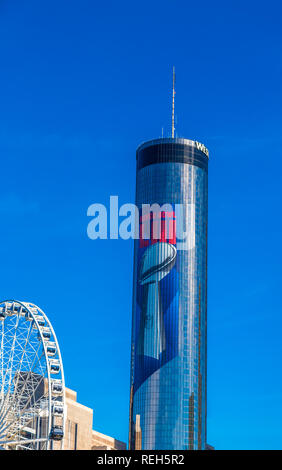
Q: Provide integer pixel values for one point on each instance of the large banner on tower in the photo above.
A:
(157, 306)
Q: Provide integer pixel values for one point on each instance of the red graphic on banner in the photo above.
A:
(162, 223)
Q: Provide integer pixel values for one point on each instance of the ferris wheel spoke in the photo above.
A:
(2, 359)
(22, 414)
(16, 423)
(18, 398)
(26, 441)
(17, 417)
(22, 390)
(21, 359)
(11, 355)
(19, 367)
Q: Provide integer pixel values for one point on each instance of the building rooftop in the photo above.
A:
(170, 140)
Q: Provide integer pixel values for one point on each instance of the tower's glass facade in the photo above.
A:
(168, 356)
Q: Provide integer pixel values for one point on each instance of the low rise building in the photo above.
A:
(102, 442)
(79, 434)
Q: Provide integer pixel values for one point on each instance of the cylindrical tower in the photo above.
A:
(169, 326)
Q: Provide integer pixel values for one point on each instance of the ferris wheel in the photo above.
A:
(32, 387)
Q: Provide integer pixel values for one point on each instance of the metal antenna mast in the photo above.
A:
(173, 93)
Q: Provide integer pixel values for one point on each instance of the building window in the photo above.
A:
(72, 435)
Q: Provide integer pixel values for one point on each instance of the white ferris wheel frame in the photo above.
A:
(32, 310)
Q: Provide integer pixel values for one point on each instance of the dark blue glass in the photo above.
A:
(168, 357)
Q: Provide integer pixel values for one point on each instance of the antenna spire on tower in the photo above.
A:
(173, 93)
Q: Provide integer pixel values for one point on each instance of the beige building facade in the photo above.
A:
(102, 442)
(79, 434)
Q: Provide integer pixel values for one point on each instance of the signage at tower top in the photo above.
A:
(202, 148)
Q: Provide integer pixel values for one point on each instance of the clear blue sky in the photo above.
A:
(82, 84)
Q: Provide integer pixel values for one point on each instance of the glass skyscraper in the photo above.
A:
(169, 325)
